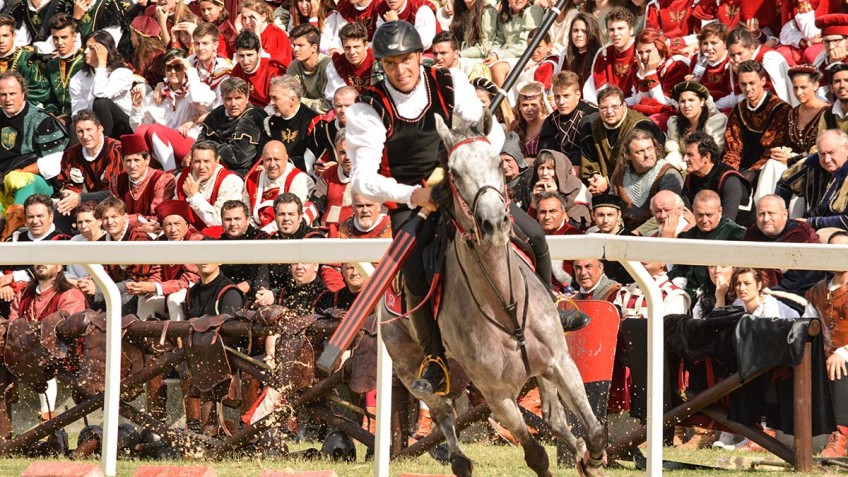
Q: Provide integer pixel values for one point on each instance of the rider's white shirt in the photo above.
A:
(366, 135)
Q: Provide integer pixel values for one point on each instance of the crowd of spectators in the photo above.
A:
(223, 120)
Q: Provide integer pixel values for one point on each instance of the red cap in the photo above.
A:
(133, 144)
(833, 24)
(173, 207)
(145, 26)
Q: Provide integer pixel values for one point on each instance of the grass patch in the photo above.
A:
(489, 460)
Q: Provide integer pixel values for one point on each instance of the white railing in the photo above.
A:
(628, 250)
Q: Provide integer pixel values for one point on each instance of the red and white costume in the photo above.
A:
(260, 192)
(611, 68)
(206, 205)
(421, 13)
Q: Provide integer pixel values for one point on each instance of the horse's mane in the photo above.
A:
(441, 193)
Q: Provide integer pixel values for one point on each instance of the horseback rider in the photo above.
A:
(394, 146)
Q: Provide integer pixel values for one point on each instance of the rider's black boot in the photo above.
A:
(433, 374)
(572, 320)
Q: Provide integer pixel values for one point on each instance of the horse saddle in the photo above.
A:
(92, 366)
(294, 354)
(361, 367)
(207, 360)
(33, 351)
(267, 315)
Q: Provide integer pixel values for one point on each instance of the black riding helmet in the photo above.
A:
(396, 38)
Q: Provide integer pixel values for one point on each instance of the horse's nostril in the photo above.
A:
(488, 229)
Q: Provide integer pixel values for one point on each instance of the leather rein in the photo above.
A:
(473, 237)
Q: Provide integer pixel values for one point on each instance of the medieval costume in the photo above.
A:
(291, 132)
(562, 132)
(381, 228)
(696, 275)
(176, 279)
(246, 273)
(143, 196)
(136, 273)
(85, 174)
(674, 18)
(605, 290)
(59, 72)
(777, 75)
(803, 139)
(341, 72)
(752, 132)
(333, 196)
(601, 147)
(828, 299)
(356, 13)
(304, 298)
(276, 43)
(612, 68)
(633, 303)
(420, 13)
(834, 117)
(206, 205)
(219, 296)
(260, 191)
(652, 92)
(520, 188)
(825, 193)
(25, 61)
(239, 139)
(279, 274)
(716, 79)
(794, 281)
(563, 270)
(314, 83)
(733, 188)
(259, 82)
(321, 138)
(28, 137)
(637, 189)
(34, 304)
(798, 30)
(32, 22)
(218, 71)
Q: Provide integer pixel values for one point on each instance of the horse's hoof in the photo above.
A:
(461, 466)
(441, 454)
(590, 467)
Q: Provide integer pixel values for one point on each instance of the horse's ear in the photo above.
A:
(444, 130)
(484, 126)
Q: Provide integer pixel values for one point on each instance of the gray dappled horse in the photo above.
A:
(483, 281)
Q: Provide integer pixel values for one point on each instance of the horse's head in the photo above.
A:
(476, 182)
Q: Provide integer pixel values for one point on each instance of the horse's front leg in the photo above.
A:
(442, 414)
(566, 377)
(506, 411)
(553, 413)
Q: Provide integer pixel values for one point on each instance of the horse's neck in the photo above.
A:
(498, 263)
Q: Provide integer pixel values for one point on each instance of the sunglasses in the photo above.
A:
(177, 67)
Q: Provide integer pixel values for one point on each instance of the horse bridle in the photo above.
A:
(475, 237)
(470, 213)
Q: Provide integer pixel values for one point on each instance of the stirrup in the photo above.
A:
(443, 389)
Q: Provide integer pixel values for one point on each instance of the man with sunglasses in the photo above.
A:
(834, 36)
(170, 127)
